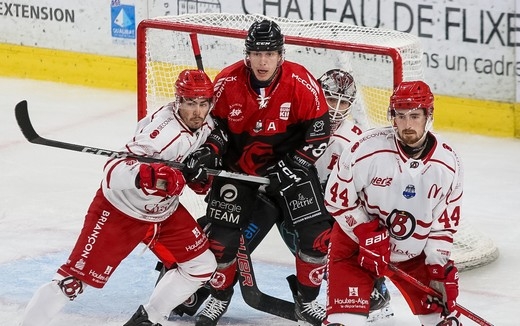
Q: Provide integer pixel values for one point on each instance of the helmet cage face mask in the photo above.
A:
(338, 85)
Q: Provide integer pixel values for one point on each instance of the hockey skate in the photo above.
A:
(140, 318)
(215, 308)
(380, 303)
(307, 312)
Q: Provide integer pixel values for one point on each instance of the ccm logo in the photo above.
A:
(288, 172)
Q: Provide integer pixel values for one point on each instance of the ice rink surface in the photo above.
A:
(45, 193)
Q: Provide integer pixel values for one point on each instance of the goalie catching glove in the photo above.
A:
(161, 179)
(195, 168)
(285, 175)
(445, 280)
(374, 246)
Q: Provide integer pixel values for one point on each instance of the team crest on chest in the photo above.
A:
(262, 101)
(235, 113)
(401, 224)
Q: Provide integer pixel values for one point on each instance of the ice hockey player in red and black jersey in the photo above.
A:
(139, 203)
(396, 196)
(271, 120)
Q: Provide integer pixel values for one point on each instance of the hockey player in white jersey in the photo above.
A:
(396, 197)
(340, 91)
(139, 202)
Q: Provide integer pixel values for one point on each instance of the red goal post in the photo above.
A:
(378, 59)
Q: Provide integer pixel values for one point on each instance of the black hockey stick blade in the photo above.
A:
(252, 294)
(22, 117)
(24, 122)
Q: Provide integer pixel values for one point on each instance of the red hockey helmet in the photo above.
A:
(193, 83)
(411, 95)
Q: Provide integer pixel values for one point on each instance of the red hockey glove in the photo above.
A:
(161, 178)
(285, 175)
(374, 247)
(445, 280)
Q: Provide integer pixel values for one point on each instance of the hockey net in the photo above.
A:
(378, 59)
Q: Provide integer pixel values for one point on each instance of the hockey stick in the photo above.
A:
(250, 292)
(196, 51)
(428, 290)
(24, 122)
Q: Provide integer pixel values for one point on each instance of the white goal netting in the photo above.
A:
(378, 59)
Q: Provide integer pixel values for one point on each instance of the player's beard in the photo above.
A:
(196, 123)
(410, 137)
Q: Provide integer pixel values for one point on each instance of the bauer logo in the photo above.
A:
(123, 20)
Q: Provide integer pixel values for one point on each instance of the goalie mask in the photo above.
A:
(340, 92)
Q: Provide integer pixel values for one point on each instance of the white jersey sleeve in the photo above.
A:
(160, 135)
(342, 138)
(417, 200)
(447, 213)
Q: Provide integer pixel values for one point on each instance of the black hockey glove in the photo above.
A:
(197, 163)
(285, 175)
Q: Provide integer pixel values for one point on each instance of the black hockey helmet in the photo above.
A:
(264, 35)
